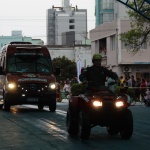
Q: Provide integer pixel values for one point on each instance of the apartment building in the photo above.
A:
(106, 40)
(67, 21)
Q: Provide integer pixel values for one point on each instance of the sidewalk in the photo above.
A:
(137, 103)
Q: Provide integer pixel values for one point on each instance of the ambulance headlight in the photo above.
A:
(52, 86)
(11, 86)
(119, 104)
(97, 103)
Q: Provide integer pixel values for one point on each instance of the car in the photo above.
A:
(99, 107)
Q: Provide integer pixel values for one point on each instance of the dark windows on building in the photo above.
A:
(71, 27)
(71, 20)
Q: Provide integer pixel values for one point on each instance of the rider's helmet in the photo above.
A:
(96, 57)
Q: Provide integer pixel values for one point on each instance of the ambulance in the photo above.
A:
(27, 76)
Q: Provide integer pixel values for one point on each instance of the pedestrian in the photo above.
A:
(147, 96)
(111, 84)
(143, 89)
(129, 80)
(137, 89)
(67, 87)
(123, 89)
(121, 80)
(74, 80)
(133, 80)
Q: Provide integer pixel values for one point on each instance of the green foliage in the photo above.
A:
(117, 90)
(77, 89)
(130, 91)
(140, 29)
(68, 67)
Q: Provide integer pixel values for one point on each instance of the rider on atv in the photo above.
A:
(98, 106)
(96, 74)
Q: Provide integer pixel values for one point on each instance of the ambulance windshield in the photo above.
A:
(29, 62)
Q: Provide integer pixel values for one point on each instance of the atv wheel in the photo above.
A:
(112, 130)
(126, 129)
(40, 106)
(84, 126)
(71, 123)
(146, 103)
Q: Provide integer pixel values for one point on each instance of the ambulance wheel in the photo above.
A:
(52, 106)
(6, 104)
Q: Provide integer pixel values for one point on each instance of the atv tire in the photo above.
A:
(84, 126)
(126, 128)
(112, 130)
(72, 123)
(40, 106)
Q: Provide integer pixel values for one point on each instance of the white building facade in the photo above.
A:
(66, 19)
(105, 39)
(80, 54)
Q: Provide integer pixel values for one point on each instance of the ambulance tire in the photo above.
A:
(52, 106)
(6, 104)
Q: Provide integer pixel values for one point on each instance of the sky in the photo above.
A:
(30, 15)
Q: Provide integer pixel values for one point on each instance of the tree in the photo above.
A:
(68, 67)
(140, 28)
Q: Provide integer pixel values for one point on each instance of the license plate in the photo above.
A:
(32, 99)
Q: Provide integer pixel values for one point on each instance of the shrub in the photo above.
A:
(77, 88)
(130, 91)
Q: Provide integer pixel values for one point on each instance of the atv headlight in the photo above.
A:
(52, 86)
(97, 103)
(119, 104)
(11, 86)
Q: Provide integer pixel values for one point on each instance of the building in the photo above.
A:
(108, 10)
(115, 54)
(16, 35)
(66, 20)
(81, 54)
(105, 40)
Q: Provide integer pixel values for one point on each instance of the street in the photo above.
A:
(27, 128)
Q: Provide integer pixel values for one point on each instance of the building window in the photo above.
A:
(112, 42)
(107, 17)
(71, 27)
(108, 4)
(71, 20)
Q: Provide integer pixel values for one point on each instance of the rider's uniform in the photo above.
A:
(96, 75)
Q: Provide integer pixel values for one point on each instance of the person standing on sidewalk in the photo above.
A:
(143, 89)
(137, 89)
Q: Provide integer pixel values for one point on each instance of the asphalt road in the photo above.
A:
(27, 128)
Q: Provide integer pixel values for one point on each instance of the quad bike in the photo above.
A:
(99, 107)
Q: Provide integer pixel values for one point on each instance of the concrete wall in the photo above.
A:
(82, 53)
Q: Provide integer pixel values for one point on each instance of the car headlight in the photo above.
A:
(52, 86)
(11, 86)
(97, 103)
(119, 104)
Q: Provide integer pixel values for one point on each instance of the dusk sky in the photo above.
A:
(30, 15)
